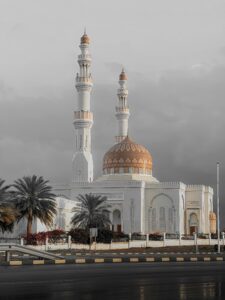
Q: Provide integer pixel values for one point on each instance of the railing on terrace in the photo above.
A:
(121, 239)
(172, 236)
(187, 237)
(138, 237)
(5, 240)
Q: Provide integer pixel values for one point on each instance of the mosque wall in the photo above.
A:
(163, 211)
(199, 203)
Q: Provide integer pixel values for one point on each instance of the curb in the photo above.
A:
(150, 259)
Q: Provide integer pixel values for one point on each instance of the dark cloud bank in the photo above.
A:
(179, 117)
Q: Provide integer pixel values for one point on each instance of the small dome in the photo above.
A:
(85, 39)
(212, 216)
(123, 75)
(127, 157)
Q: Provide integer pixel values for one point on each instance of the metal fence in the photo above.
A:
(6, 240)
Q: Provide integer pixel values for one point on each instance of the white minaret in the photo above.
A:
(83, 118)
(122, 110)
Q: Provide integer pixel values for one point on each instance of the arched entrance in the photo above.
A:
(116, 221)
(193, 223)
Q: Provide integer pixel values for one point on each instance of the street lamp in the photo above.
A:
(218, 206)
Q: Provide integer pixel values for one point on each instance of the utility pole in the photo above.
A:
(218, 205)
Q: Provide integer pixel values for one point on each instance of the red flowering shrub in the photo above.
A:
(39, 238)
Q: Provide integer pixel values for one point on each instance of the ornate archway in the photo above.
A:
(161, 214)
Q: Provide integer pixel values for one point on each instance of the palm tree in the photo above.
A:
(8, 216)
(8, 213)
(91, 212)
(3, 190)
(35, 200)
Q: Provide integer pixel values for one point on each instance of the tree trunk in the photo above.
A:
(29, 225)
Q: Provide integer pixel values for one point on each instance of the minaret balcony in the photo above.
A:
(83, 115)
(84, 57)
(122, 109)
(82, 79)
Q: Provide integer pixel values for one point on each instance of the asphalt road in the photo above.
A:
(144, 281)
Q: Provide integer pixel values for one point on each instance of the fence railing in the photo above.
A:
(10, 240)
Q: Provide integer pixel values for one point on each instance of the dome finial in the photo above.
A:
(123, 75)
(85, 38)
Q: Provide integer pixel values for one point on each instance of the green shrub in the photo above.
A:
(79, 236)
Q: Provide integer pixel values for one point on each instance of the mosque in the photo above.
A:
(138, 201)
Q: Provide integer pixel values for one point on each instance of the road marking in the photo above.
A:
(165, 259)
(207, 258)
(193, 259)
(179, 259)
(80, 261)
(99, 260)
(38, 262)
(60, 261)
(117, 260)
(219, 258)
(150, 259)
(15, 263)
(134, 259)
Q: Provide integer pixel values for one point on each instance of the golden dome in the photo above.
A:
(85, 39)
(123, 75)
(127, 157)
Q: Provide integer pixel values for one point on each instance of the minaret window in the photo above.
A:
(81, 141)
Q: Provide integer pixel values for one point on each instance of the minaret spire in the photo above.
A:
(122, 109)
(83, 117)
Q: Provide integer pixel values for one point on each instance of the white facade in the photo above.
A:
(139, 205)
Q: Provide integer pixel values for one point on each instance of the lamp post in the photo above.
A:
(218, 205)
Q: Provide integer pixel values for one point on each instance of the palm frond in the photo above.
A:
(91, 211)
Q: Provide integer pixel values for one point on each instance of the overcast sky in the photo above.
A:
(174, 55)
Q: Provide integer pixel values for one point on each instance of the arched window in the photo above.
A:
(193, 219)
(154, 219)
(170, 219)
(162, 219)
(193, 223)
(116, 220)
